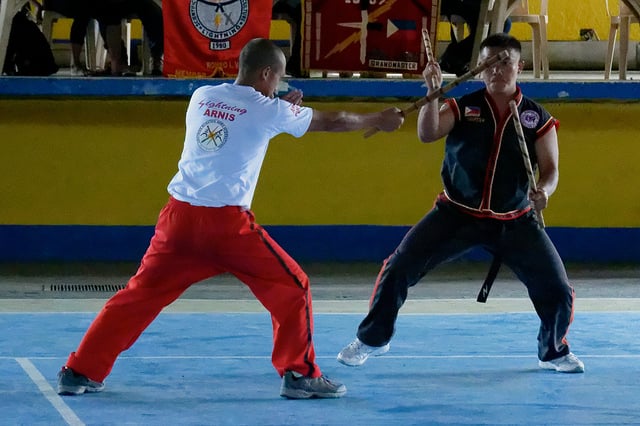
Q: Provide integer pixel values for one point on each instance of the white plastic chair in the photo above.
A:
(620, 22)
(521, 13)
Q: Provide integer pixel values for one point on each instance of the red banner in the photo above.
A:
(367, 35)
(203, 38)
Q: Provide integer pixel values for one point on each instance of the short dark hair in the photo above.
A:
(502, 40)
(259, 53)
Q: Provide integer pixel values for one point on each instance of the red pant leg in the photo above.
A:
(190, 244)
(282, 287)
(165, 272)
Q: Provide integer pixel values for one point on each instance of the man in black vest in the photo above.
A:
(487, 202)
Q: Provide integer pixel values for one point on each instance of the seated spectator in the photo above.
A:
(111, 12)
(28, 52)
(456, 57)
(81, 13)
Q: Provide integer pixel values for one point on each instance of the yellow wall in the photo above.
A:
(107, 162)
(566, 18)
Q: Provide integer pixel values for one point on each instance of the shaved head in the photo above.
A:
(258, 54)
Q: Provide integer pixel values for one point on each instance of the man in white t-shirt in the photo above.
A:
(207, 227)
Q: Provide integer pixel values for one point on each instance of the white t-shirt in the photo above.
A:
(228, 131)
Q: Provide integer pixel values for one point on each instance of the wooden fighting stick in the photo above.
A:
(525, 155)
(430, 57)
(454, 83)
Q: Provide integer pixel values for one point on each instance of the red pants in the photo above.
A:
(191, 244)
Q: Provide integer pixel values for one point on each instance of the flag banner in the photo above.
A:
(367, 35)
(203, 38)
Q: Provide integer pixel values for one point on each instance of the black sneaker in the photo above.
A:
(71, 383)
(295, 386)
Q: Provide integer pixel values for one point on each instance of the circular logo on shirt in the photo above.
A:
(219, 19)
(212, 135)
(529, 119)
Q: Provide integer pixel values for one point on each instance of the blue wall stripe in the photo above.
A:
(344, 243)
(312, 88)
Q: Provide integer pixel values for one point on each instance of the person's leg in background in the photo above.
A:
(507, 26)
(77, 36)
(116, 49)
(456, 57)
(111, 13)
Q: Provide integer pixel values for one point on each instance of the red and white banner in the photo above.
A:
(367, 35)
(203, 38)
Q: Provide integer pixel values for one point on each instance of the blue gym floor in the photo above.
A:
(215, 369)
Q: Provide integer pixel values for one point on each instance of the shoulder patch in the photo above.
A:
(530, 119)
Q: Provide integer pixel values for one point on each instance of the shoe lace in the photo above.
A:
(325, 379)
(571, 358)
(356, 346)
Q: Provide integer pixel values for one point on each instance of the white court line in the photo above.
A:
(67, 413)
(228, 357)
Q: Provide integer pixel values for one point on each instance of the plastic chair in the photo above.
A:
(49, 19)
(622, 21)
(521, 13)
(491, 19)
(457, 26)
(8, 9)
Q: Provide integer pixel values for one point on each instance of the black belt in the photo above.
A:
(491, 277)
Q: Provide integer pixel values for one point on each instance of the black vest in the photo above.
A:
(483, 169)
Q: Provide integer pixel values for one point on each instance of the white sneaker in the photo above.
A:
(356, 353)
(565, 364)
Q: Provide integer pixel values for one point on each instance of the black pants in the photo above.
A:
(111, 12)
(445, 233)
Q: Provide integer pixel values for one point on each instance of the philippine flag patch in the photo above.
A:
(471, 111)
